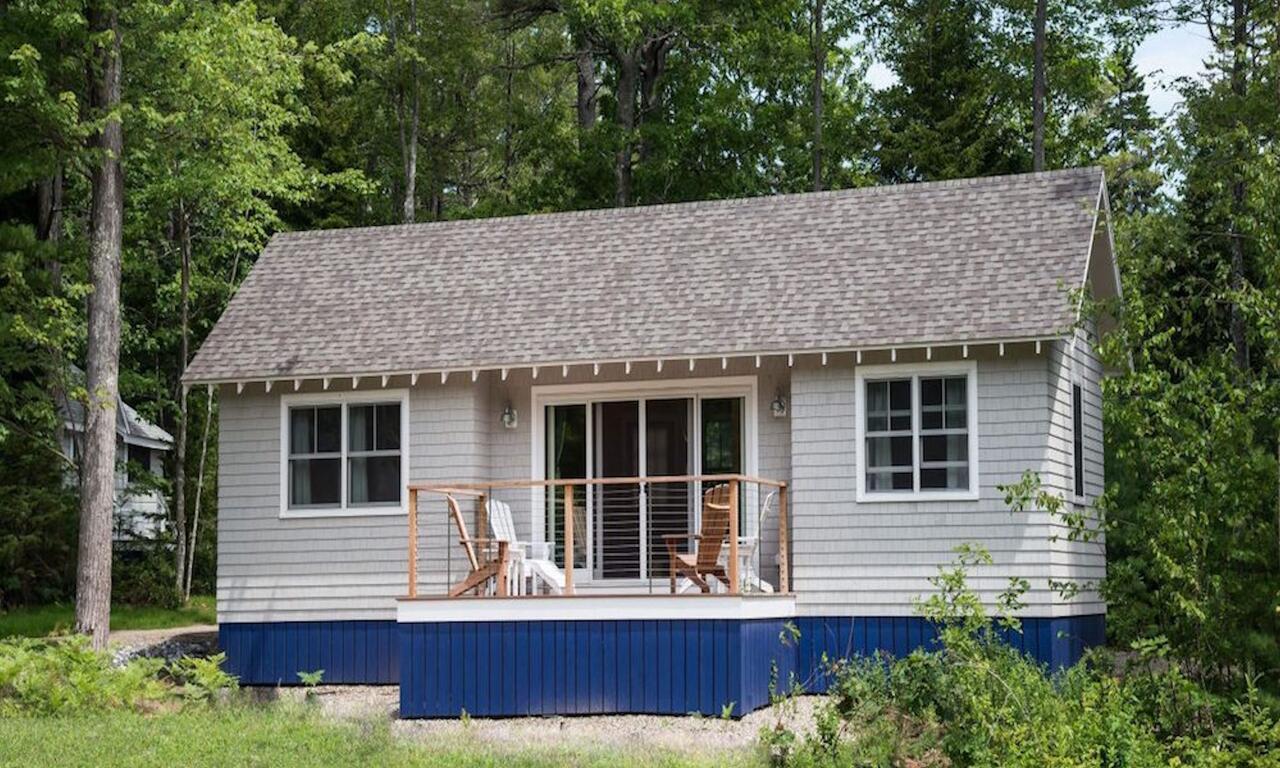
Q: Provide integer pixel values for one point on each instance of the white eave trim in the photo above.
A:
(720, 359)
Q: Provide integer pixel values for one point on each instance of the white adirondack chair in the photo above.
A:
(749, 546)
(527, 559)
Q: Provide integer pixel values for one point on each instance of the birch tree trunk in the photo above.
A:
(195, 509)
(97, 488)
(409, 123)
(180, 440)
(819, 77)
(1239, 61)
(1039, 87)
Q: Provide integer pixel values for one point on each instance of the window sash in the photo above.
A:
(947, 411)
(344, 455)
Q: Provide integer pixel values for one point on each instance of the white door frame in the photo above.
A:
(589, 394)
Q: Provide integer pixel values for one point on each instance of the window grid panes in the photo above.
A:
(890, 455)
(944, 433)
(373, 455)
(319, 459)
(916, 434)
(315, 456)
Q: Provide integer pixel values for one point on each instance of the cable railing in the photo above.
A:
(677, 534)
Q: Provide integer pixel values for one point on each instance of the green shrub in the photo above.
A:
(978, 702)
(203, 679)
(67, 676)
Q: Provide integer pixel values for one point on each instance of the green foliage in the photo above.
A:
(311, 679)
(203, 680)
(977, 702)
(282, 737)
(66, 676)
(59, 618)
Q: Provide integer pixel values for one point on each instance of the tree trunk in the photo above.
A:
(653, 62)
(588, 89)
(819, 77)
(628, 66)
(195, 510)
(1239, 61)
(97, 489)
(1038, 88)
(49, 220)
(183, 232)
(408, 123)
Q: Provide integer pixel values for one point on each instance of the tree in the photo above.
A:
(210, 165)
(1039, 87)
(97, 486)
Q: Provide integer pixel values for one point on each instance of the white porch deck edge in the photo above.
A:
(595, 608)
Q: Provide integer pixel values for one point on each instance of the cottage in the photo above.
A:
(139, 512)
(598, 461)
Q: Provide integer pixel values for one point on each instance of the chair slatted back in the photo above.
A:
(715, 526)
(464, 537)
(504, 527)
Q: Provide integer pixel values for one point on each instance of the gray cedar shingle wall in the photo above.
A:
(273, 569)
(849, 559)
(1081, 562)
(874, 558)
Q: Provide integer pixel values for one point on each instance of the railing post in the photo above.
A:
(784, 560)
(413, 543)
(734, 586)
(568, 538)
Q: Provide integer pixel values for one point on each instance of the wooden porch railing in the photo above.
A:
(481, 491)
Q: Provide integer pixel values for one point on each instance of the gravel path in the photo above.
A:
(692, 735)
(168, 644)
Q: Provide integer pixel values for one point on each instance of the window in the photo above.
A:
(889, 452)
(917, 436)
(344, 456)
(1077, 438)
(140, 457)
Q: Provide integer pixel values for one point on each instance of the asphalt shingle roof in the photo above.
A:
(944, 262)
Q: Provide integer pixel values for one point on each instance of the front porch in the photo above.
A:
(646, 595)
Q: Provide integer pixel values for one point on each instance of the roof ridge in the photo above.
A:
(915, 187)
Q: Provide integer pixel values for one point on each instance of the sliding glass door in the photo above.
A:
(621, 528)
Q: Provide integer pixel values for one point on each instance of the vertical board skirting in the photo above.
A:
(349, 652)
(1056, 643)
(511, 669)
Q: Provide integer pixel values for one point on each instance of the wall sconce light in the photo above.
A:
(778, 407)
(510, 419)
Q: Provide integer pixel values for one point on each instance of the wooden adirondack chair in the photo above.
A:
(705, 560)
(482, 571)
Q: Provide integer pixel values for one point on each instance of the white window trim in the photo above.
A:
(862, 373)
(344, 399)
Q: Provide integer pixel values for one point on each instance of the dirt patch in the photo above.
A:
(690, 735)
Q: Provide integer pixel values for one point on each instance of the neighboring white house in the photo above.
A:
(863, 368)
(140, 509)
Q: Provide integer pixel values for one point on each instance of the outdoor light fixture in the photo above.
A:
(778, 407)
(510, 419)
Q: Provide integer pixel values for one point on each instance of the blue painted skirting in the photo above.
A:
(511, 668)
(273, 653)
(514, 668)
(1057, 643)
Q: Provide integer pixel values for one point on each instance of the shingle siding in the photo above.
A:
(873, 558)
(850, 559)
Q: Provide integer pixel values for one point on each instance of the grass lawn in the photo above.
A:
(258, 736)
(41, 620)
